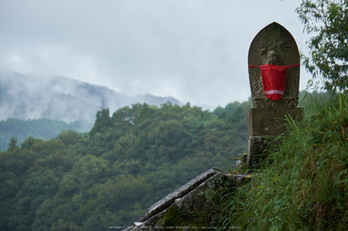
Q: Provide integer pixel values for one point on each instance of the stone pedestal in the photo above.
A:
(264, 124)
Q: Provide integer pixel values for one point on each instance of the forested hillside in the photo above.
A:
(129, 160)
(40, 128)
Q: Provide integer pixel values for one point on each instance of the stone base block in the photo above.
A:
(264, 124)
(270, 121)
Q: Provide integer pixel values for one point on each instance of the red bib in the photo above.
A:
(273, 79)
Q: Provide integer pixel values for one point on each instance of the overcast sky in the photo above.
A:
(193, 50)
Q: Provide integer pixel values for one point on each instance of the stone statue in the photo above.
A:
(274, 74)
(274, 45)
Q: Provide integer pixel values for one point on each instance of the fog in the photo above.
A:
(28, 96)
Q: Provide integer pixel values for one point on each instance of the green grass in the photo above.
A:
(303, 184)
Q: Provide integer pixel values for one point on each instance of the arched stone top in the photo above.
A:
(274, 45)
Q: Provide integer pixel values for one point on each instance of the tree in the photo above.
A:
(102, 123)
(12, 145)
(70, 137)
(328, 57)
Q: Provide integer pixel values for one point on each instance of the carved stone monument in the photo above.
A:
(274, 74)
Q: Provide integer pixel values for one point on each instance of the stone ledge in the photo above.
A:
(191, 197)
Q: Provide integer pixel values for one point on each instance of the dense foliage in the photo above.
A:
(303, 185)
(40, 128)
(111, 176)
(328, 21)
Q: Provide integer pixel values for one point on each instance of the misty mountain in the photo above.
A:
(29, 96)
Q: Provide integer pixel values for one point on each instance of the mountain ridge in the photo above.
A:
(31, 96)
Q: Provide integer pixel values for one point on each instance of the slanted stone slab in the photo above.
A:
(150, 224)
(180, 192)
(198, 200)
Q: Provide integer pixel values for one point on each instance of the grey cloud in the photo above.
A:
(193, 50)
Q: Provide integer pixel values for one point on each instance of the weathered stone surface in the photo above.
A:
(195, 205)
(264, 124)
(270, 121)
(180, 192)
(274, 38)
(196, 200)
